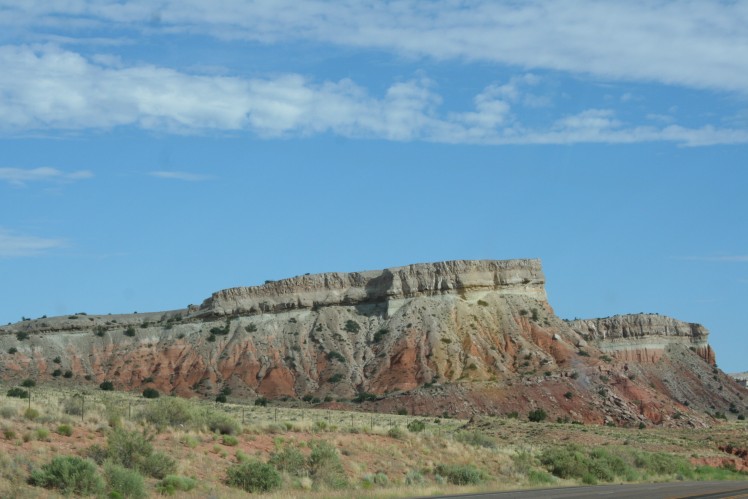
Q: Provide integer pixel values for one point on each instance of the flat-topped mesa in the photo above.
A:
(458, 277)
(643, 333)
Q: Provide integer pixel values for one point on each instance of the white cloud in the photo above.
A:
(690, 43)
(48, 88)
(21, 176)
(18, 245)
(176, 175)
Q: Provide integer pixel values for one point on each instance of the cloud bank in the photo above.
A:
(45, 87)
(690, 43)
(19, 245)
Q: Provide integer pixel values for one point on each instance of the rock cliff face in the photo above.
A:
(644, 337)
(389, 287)
(461, 337)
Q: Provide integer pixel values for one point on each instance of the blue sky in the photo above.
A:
(154, 152)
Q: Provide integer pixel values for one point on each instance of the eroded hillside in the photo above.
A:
(461, 337)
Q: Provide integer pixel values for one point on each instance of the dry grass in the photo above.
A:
(364, 441)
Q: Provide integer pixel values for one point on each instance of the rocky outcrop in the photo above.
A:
(462, 337)
(644, 337)
(389, 286)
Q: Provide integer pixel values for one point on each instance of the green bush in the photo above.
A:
(12, 350)
(379, 335)
(151, 393)
(352, 326)
(128, 448)
(416, 426)
(254, 476)
(335, 356)
(57, 373)
(335, 378)
(30, 413)
(168, 411)
(124, 482)
(158, 465)
(220, 422)
(414, 477)
(18, 393)
(461, 474)
(221, 398)
(172, 484)
(70, 474)
(28, 383)
(325, 466)
(537, 415)
(290, 460)
(261, 401)
(65, 430)
(395, 432)
(130, 331)
(230, 440)
(107, 386)
(22, 335)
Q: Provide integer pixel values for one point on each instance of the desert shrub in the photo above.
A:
(65, 430)
(42, 434)
(73, 406)
(28, 383)
(414, 477)
(9, 434)
(68, 374)
(379, 479)
(537, 415)
(536, 477)
(476, 439)
(128, 448)
(12, 350)
(151, 393)
(416, 426)
(230, 440)
(168, 411)
(335, 378)
(107, 386)
(253, 476)
(325, 466)
(461, 474)
(661, 463)
(97, 454)
(335, 356)
(352, 326)
(172, 484)
(290, 460)
(18, 393)
(364, 397)
(220, 422)
(588, 465)
(130, 331)
(395, 432)
(70, 474)
(30, 413)
(57, 373)
(124, 482)
(379, 335)
(251, 328)
(261, 401)
(158, 465)
(22, 335)
(221, 398)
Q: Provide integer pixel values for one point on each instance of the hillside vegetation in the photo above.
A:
(107, 442)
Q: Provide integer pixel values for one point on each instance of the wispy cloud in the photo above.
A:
(22, 176)
(174, 175)
(19, 245)
(49, 88)
(692, 43)
(717, 258)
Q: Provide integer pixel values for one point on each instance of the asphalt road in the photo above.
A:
(674, 490)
